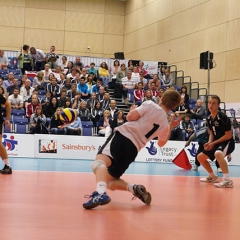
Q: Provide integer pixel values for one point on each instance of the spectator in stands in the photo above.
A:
(63, 65)
(53, 87)
(77, 100)
(15, 99)
(154, 90)
(57, 73)
(115, 69)
(72, 93)
(3, 60)
(96, 113)
(100, 94)
(39, 82)
(118, 120)
(50, 77)
(57, 126)
(92, 70)
(29, 100)
(50, 109)
(141, 69)
(62, 80)
(103, 73)
(95, 88)
(31, 107)
(90, 82)
(77, 78)
(113, 109)
(68, 84)
(167, 79)
(162, 71)
(23, 80)
(46, 71)
(68, 103)
(27, 90)
(118, 84)
(38, 122)
(13, 86)
(158, 98)
(9, 81)
(69, 67)
(143, 80)
(91, 101)
(25, 60)
(83, 88)
(184, 93)
(105, 103)
(105, 124)
(46, 99)
(52, 57)
(75, 128)
(63, 97)
(183, 107)
(139, 93)
(127, 83)
(198, 112)
(84, 74)
(72, 75)
(135, 75)
(187, 127)
(130, 65)
(174, 132)
(148, 96)
(78, 63)
(2, 86)
(39, 58)
(84, 113)
(156, 81)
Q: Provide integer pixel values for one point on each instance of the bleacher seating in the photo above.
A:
(21, 128)
(87, 128)
(12, 66)
(18, 112)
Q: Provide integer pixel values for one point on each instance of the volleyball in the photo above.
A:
(68, 115)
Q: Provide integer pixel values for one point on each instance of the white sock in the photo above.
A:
(6, 161)
(212, 175)
(130, 188)
(101, 187)
(226, 176)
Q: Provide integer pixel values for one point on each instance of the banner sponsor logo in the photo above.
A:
(192, 149)
(47, 146)
(11, 144)
(78, 147)
(152, 150)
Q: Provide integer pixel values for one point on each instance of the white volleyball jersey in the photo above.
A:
(152, 123)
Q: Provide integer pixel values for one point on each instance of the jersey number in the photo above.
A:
(152, 131)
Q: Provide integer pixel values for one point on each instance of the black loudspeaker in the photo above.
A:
(119, 55)
(206, 57)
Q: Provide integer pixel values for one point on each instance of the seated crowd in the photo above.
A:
(71, 85)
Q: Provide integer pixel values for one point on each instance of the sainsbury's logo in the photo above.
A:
(78, 147)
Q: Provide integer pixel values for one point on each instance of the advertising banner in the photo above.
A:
(151, 67)
(18, 145)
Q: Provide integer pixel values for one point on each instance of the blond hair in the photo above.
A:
(55, 114)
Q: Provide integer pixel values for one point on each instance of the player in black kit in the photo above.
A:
(219, 145)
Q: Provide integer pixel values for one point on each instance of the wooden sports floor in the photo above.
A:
(42, 200)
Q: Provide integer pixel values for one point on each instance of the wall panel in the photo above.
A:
(233, 32)
(15, 3)
(232, 66)
(114, 24)
(114, 8)
(11, 37)
(112, 44)
(233, 9)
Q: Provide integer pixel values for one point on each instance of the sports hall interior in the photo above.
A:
(43, 198)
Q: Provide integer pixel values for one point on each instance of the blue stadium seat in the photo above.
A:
(131, 95)
(21, 128)
(192, 101)
(4, 72)
(41, 92)
(12, 66)
(16, 71)
(18, 112)
(192, 106)
(87, 128)
(19, 120)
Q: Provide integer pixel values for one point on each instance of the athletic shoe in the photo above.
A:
(195, 167)
(226, 183)
(6, 170)
(96, 199)
(219, 170)
(141, 193)
(210, 179)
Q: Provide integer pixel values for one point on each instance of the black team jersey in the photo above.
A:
(219, 125)
(2, 101)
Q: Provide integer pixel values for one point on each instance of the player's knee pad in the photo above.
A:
(97, 164)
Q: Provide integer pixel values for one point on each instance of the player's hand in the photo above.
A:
(174, 123)
(208, 146)
(8, 124)
(133, 107)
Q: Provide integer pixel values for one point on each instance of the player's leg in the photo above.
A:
(203, 159)
(197, 163)
(3, 154)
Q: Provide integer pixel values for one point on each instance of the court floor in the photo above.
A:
(42, 200)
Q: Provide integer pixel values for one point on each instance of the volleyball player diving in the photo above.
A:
(121, 148)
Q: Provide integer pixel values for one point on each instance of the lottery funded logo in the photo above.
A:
(47, 146)
(152, 150)
(192, 150)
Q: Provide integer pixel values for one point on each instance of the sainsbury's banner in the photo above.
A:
(67, 147)
(18, 145)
